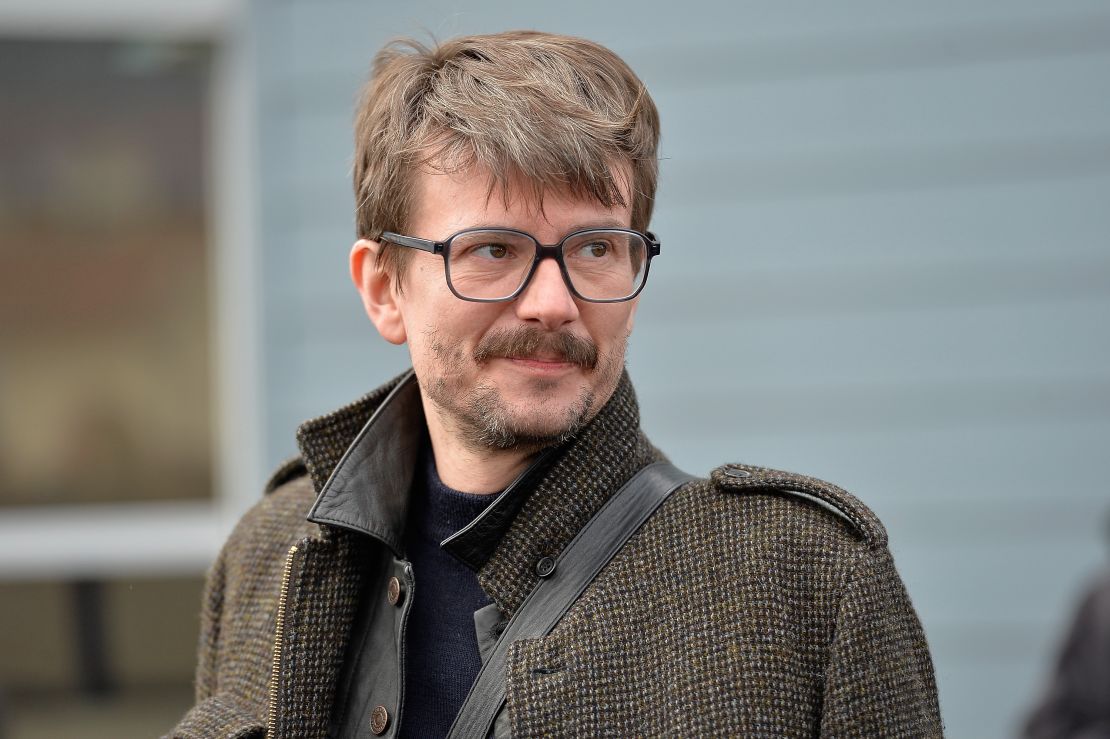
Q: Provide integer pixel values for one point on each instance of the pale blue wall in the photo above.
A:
(885, 263)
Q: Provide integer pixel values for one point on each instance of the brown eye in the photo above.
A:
(595, 249)
(491, 251)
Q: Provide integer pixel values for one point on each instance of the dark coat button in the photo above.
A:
(379, 720)
(545, 567)
(393, 591)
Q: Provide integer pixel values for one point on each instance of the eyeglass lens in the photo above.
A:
(493, 264)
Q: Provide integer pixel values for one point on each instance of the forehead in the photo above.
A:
(465, 198)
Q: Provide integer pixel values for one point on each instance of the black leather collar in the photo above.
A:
(368, 489)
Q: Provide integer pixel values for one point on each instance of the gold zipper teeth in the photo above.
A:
(279, 633)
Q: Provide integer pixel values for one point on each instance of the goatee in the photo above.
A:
(481, 415)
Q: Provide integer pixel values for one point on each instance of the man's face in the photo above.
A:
(519, 374)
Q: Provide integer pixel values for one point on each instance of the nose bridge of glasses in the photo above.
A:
(547, 260)
(547, 251)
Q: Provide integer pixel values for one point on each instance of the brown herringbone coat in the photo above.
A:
(739, 609)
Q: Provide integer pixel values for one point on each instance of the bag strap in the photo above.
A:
(575, 568)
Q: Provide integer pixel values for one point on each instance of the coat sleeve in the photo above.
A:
(880, 679)
(214, 714)
(208, 647)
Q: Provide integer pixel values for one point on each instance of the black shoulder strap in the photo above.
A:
(576, 567)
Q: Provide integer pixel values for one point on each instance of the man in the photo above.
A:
(504, 187)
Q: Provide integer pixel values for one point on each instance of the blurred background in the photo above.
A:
(885, 264)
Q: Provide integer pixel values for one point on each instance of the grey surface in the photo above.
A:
(884, 263)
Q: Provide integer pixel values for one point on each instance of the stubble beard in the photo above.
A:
(482, 419)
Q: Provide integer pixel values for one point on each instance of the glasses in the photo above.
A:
(489, 265)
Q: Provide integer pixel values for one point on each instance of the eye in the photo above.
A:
(594, 249)
(492, 251)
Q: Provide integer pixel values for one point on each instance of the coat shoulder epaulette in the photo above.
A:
(287, 471)
(744, 478)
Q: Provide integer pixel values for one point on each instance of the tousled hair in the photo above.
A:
(541, 110)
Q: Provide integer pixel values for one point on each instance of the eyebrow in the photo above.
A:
(606, 223)
(603, 223)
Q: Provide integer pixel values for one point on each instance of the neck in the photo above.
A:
(464, 468)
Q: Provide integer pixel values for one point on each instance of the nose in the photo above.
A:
(547, 299)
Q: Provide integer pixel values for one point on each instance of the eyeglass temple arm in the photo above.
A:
(653, 241)
(435, 247)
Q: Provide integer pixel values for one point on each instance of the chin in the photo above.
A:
(531, 424)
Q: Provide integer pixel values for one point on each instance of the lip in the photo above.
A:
(534, 364)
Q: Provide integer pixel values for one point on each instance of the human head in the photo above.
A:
(559, 113)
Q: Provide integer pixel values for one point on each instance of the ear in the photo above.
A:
(376, 290)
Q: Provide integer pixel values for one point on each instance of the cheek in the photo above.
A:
(447, 332)
(611, 330)
(425, 302)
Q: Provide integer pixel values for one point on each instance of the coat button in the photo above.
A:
(379, 720)
(545, 567)
(393, 594)
(731, 471)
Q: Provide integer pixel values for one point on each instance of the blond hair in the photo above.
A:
(552, 112)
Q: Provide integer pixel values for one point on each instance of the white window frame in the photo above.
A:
(121, 540)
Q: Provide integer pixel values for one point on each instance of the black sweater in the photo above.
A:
(441, 649)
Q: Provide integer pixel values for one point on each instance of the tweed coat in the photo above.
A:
(753, 603)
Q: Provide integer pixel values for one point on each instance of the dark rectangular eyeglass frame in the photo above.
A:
(543, 251)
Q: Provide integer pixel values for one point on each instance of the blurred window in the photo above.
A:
(105, 382)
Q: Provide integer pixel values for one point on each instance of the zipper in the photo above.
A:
(279, 635)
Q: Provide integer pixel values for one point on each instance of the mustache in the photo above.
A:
(527, 341)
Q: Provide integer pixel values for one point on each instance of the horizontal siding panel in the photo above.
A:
(914, 347)
(1029, 465)
(725, 178)
(1045, 220)
(903, 49)
(985, 701)
(1012, 580)
(944, 286)
(964, 646)
(326, 39)
(846, 409)
(892, 109)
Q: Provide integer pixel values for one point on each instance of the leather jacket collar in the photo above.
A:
(362, 459)
(368, 490)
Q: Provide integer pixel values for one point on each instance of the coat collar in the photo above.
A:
(366, 488)
(362, 458)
